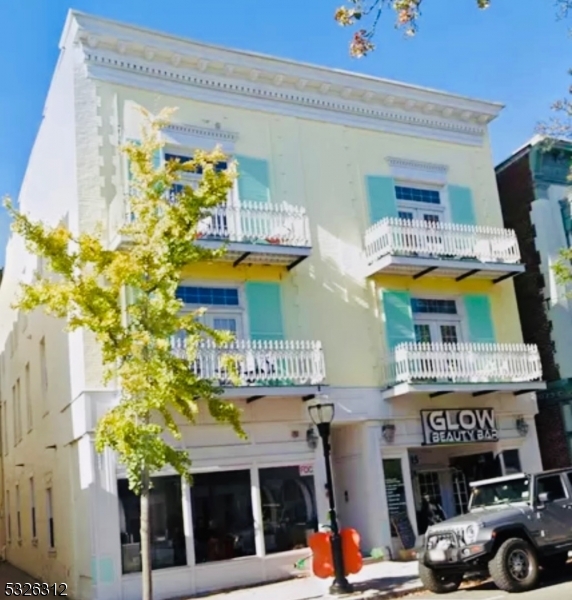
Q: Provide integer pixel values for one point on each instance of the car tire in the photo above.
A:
(439, 583)
(514, 567)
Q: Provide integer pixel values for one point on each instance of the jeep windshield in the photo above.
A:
(498, 492)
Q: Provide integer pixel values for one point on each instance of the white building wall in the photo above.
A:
(47, 451)
(550, 239)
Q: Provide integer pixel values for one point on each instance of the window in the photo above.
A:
(551, 484)
(217, 317)
(221, 166)
(8, 516)
(50, 516)
(436, 321)
(433, 306)
(208, 296)
(14, 415)
(43, 365)
(18, 412)
(168, 547)
(288, 508)
(18, 514)
(29, 409)
(413, 194)
(567, 415)
(223, 524)
(511, 460)
(33, 508)
(5, 427)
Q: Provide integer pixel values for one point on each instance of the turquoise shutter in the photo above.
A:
(264, 304)
(566, 218)
(158, 157)
(380, 197)
(253, 179)
(479, 319)
(461, 205)
(398, 318)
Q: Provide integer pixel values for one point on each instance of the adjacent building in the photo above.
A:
(367, 261)
(534, 188)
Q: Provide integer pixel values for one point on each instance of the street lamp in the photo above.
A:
(322, 416)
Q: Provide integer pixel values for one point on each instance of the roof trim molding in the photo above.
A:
(121, 49)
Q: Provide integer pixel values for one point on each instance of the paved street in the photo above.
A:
(559, 588)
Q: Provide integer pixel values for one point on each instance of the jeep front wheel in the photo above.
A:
(514, 568)
(439, 583)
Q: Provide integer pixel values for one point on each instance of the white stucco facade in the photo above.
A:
(335, 126)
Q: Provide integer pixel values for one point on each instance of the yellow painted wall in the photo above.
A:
(322, 167)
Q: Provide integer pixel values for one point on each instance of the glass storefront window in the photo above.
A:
(288, 508)
(166, 524)
(223, 524)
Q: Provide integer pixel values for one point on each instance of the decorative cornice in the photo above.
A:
(211, 133)
(416, 170)
(128, 49)
(418, 165)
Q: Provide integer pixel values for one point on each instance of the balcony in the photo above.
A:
(265, 368)
(254, 233)
(438, 369)
(419, 248)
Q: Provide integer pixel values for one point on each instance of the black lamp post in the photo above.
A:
(322, 416)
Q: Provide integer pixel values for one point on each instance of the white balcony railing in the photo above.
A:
(259, 363)
(247, 222)
(256, 222)
(420, 238)
(464, 363)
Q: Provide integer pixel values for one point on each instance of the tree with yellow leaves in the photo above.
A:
(127, 298)
(365, 15)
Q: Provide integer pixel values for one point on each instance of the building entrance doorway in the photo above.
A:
(444, 475)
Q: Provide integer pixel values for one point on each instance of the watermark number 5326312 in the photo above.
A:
(36, 589)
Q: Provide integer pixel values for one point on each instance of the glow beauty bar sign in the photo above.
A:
(458, 426)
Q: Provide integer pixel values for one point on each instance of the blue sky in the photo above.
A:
(519, 58)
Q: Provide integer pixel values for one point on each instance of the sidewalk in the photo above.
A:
(378, 580)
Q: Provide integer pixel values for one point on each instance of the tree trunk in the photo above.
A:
(146, 572)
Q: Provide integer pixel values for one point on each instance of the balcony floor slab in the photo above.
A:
(441, 388)
(419, 266)
(252, 393)
(259, 254)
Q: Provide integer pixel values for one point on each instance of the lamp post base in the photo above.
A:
(341, 587)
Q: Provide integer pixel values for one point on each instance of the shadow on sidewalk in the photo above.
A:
(547, 580)
(385, 584)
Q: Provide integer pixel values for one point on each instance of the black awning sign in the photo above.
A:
(459, 426)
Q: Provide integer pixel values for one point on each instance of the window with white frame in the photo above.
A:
(224, 310)
(8, 517)
(5, 428)
(419, 203)
(436, 320)
(29, 407)
(18, 514)
(50, 517)
(33, 509)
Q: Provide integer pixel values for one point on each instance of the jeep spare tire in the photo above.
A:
(515, 568)
(439, 582)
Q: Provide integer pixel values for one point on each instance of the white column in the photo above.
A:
(257, 511)
(410, 497)
(188, 522)
(378, 534)
(322, 503)
(106, 563)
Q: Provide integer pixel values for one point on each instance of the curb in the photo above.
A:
(380, 594)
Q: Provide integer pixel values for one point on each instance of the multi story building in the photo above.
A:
(534, 192)
(367, 261)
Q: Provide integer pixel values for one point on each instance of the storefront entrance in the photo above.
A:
(444, 473)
